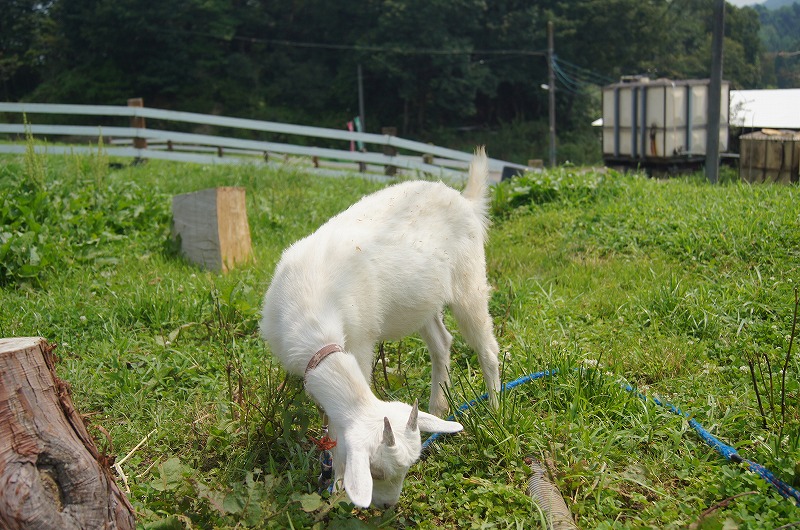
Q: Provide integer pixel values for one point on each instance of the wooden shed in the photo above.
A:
(770, 155)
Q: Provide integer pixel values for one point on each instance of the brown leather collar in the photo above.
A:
(320, 356)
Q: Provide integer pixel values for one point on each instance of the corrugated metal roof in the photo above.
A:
(777, 135)
(636, 81)
(776, 109)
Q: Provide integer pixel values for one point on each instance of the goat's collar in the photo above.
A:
(320, 356)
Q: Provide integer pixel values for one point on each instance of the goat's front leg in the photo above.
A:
(438, 340)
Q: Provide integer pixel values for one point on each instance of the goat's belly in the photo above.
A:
(407, 315)
(400, 332)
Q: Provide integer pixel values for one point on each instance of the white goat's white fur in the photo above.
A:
(384, 268)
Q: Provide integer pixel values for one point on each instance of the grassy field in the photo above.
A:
(682, 289)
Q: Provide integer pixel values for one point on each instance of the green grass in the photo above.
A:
(675, 287)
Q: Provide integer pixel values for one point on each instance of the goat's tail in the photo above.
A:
(477, 185)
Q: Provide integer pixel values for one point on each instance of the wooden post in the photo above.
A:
(212, 229)
(389, 150)
(362, 166)
(137, 122)
(51, 473)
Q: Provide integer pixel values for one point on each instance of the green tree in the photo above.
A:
(514, 33)
(780, 33)
(24, 26)
(426, 60)
(109, 50)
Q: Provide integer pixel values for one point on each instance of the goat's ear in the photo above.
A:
(358, 479)
(430, 423)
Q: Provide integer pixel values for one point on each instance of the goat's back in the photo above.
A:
(378, 270)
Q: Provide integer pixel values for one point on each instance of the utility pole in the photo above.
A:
(361, 99)
(715, 93)
(551, 84)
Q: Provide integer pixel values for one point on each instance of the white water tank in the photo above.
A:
(659, 120)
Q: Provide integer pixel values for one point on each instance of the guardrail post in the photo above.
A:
(389, 150)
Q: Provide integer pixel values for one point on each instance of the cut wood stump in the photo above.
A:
(51, 473)
(211, 227)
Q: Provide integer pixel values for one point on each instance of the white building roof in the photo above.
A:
(773, 109)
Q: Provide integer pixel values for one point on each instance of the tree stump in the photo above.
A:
(211, 227)
(51, 473)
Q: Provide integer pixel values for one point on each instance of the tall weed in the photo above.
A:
(69, 216)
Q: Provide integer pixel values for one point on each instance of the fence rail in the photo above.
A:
(217, 149)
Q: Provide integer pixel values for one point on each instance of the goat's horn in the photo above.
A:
(388, 435)
(412, 420)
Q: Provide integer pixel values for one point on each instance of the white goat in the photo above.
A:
(383, 269)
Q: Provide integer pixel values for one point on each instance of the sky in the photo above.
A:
(740, 3)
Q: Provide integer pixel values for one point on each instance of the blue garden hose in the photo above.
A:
(723, 449)
(506, 386)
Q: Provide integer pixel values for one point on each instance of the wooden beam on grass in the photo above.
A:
(211, 227)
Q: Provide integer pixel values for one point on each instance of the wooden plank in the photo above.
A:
(795, 172)
(774, 169)
(751, 160)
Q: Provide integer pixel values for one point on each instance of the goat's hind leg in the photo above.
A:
(471, 311)
(438, 340)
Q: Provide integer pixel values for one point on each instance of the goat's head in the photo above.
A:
(375, 451)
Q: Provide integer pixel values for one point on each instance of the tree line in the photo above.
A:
(780, 37)
(431, 68)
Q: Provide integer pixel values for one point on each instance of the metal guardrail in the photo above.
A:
(192, 147)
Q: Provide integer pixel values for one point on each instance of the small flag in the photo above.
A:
(357, 121)
(350, 128)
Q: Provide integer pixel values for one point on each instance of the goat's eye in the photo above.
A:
(377, 474)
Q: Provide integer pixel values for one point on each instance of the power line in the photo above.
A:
(584, 74)
(366, 48)
(575, 78)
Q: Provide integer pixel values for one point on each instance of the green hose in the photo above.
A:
(549, 499)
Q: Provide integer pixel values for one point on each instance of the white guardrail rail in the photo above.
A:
(143, 143)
